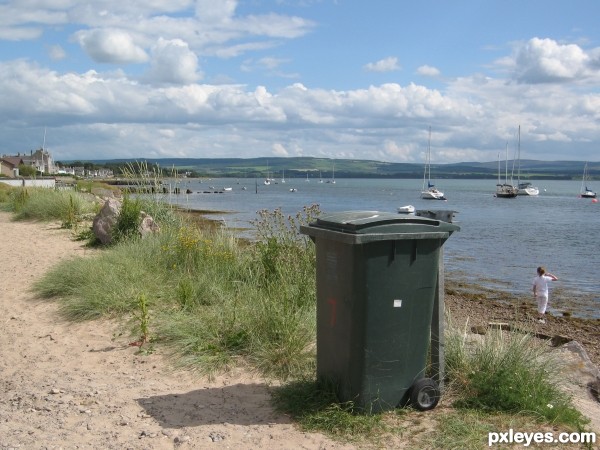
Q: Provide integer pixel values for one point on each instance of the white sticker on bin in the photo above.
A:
(397, 303)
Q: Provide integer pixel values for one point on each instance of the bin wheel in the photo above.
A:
(424, 394)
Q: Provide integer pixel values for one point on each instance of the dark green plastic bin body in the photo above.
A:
(376, 282)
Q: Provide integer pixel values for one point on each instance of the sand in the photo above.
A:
(67, 386)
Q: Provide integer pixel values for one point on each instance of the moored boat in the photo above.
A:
(523, 187)
(431, 193)
(505, 190)
(408, 209)
(585, 191)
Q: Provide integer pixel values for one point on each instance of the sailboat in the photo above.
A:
(283, 177)
(267, 181)
(585, 191)
(523, 187)
(505, 190)
(431, 193)
(332, 181)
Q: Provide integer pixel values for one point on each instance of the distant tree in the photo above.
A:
(27, 171)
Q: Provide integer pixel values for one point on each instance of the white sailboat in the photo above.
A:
(283, 177)
(267, 181)
(585, 191)
(523, 187)
(431, 192)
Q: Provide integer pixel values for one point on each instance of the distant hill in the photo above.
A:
(355, 168)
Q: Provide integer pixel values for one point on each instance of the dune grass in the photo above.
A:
(213, 301)
(47, 204)
(5, 195)
(508, 372)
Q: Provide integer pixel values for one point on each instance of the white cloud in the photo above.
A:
(548, 87)
(111, 46)
(388, 64)
(428, 71)
(173, 62)
(546, 61)
(472, 118)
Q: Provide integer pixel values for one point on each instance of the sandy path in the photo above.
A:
(72, 386)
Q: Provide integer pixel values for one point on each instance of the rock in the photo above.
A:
(106, 219)
(148, 225)
(478, 329)
(557, 340)
(580, 379)
(216, 437)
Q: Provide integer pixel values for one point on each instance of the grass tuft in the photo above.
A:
(508, 372)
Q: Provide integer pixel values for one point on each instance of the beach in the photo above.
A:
(80, 385)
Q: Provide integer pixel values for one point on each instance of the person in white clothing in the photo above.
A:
(540, 291)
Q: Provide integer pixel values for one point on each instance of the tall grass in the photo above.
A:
(47, 205)
(510, 372)
(5, 195)
(214, 301)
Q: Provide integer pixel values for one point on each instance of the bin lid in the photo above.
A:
(377, 225)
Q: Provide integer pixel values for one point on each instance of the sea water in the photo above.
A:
(499, 246)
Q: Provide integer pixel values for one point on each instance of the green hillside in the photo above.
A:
(354, 168)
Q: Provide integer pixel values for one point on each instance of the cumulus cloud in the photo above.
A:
(388, 64)
(111, 46)
(173, 62)
(428, 71)
(546, 61)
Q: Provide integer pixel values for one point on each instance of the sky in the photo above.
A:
(386, 80)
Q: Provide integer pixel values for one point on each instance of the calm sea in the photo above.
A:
(499, 246)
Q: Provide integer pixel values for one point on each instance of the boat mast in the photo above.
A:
(519, 156)
(427, 171)
(506, 166)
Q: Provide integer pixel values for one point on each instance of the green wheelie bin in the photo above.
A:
(376, 282)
